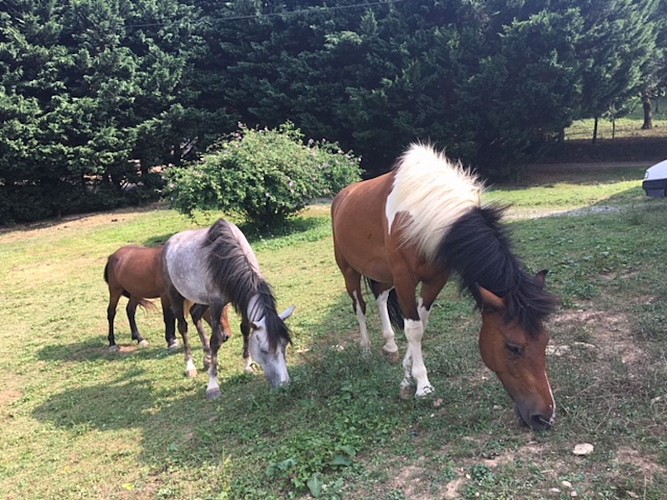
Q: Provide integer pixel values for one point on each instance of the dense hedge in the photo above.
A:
(95, 93)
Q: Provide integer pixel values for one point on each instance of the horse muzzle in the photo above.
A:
(278, 382)
(536, 420)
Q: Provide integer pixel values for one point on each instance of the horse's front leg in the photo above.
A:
(389, 348)
(177, 306)
(413, 363)
(169, 323)
(217, 338)
(247, 359)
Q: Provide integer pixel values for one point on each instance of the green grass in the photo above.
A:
(629, 126)
(80, 422)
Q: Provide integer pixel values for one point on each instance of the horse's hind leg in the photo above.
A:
(177, 306)
(353, 286)
(111, 315)
(197, 312)
(213, 388)
(131, 310)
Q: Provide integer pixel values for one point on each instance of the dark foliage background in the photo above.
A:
(96, 93)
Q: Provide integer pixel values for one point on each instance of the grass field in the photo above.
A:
(80, 422)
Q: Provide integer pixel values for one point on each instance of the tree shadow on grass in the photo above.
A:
(95, 349)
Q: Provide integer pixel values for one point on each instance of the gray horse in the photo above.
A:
(216, 266)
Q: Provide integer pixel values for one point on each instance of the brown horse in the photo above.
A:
(136, 272)
(419, 223)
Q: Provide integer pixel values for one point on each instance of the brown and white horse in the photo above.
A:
(419, 223)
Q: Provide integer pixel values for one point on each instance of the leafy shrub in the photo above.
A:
(265, 175)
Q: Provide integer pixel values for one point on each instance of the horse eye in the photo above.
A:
(515, 349)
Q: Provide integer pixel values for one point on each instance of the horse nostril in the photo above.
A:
(540, 422)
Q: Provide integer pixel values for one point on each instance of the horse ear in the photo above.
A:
(491, 299)
(541, 277)
(287, 313)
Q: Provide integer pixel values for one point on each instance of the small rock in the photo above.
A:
(557, 350)
(585, 345)
(566, 484)
(583, 449)
(573, 493)
(556, 491)
(438, 403)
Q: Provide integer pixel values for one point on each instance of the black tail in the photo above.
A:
(395, 315)
(106, 273)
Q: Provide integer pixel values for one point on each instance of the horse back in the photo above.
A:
(360, 227)
(136, 270)
(186, 267)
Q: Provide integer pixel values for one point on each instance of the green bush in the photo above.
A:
(264, 175)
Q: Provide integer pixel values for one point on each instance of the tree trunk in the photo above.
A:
(595, 131)
(613, 128)
(648, 113)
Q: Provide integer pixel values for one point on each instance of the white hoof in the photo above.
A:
(212, 394)
(425, 392)
(143, 343)
(114, 348)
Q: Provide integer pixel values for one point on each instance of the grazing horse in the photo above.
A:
(419, 223)
(216, 266)
(136, 272)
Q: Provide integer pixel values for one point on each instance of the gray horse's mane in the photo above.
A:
(239, 281)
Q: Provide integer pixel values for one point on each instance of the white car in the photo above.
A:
(655, 180)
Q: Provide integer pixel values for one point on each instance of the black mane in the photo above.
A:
(238, 280)
(478, 249)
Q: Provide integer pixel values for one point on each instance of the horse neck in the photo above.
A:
(261, 304)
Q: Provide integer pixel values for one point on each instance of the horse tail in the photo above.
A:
(144, 303)
(395, 315)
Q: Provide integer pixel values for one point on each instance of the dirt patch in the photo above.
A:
(610, 335)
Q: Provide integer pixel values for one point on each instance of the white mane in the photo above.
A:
(434, 191)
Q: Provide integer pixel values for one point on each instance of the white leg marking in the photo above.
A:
(213, 384)
(387, 331)
(363, 331)
(414, 331)
(248, 365)
(423, 313)
(190, 368)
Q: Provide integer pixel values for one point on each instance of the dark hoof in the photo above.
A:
(173, 345)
